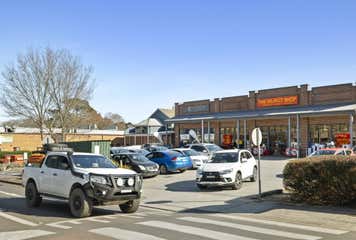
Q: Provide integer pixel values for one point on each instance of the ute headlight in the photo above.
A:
(130, 182)
(226, 171)
(142, 167)
(98, 179)
(120, 182)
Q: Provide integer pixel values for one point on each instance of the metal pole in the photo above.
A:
(135, 138)
(167, 134)
(259, 168)
(289, 133)
(208, 131)
(351, 130)
(124, 140)
(298, 141)
(202, 131)
(238, 133)
(245, 137)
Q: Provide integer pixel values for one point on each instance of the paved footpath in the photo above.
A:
(53, 221)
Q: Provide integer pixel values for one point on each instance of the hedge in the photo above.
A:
(322, 180)
(3, 153)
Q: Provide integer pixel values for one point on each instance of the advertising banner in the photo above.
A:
(342, 138)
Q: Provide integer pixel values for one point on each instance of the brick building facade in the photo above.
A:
(294, 116)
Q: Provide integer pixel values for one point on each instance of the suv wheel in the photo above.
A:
(33, 198)
(80, 205)
(130, 206)
(238, 181)
(253, 178)
(163, 169)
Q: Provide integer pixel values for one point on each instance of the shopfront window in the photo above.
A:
(337, 134)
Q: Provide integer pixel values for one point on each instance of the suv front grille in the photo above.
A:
(211, 177)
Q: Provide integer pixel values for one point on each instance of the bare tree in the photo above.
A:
(25, 86)
(71, 82)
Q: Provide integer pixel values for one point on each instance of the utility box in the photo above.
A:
(97, 147)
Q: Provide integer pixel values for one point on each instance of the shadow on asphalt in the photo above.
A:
(48, 208)
(190, 186)
(251, 204)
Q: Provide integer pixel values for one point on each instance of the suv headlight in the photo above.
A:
(142, 167)
(98, 179)
(226, 171)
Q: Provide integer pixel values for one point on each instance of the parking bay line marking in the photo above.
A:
(121, 234)
(22, 235)
(283, 224)
(97, 220)
(16, 219)
(11, 194)
(251, 228)
(201, 232)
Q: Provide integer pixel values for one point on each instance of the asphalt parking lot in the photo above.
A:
(174, 208)
(178, 191)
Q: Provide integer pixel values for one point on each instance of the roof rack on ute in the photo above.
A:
(56, 148)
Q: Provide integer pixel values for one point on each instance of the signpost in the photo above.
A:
(257, 140)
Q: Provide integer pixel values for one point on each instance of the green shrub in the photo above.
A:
(327, 180)
(3, 153)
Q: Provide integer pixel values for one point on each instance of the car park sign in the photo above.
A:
(256, 136)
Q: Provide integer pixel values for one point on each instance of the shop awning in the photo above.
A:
(330, 109)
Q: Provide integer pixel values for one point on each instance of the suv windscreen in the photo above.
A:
(138, 158)
(190, 152)
(92, 161)
(224, 157)
(213, 148)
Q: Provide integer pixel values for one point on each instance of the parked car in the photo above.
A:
(227, 168)
(137, 162)
(83, 179)
(129, 149)
(117, 150)
(198, 159)
(155, 148)
(205, 148)
(170, 161)
(332, 151)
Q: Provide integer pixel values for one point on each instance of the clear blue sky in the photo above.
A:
(150, 54)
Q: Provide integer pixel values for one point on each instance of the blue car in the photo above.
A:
(170, 161)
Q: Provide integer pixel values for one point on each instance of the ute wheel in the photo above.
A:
(33, 198)
(201, 187)
(163, 169)
(238, 181)
(130, 206)
(80, 205)
(253, 178)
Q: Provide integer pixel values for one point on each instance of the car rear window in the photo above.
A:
(174, 154)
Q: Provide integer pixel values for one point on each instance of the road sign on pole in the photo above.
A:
(257, 140)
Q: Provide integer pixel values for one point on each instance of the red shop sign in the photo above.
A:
(342, 138)
(227, 139)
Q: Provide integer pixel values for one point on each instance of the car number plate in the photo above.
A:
(126, 191)
(210, 176)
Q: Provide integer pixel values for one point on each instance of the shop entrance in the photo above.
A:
(275, 138)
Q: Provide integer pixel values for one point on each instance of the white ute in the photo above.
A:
(83, 179)
(227, 168)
